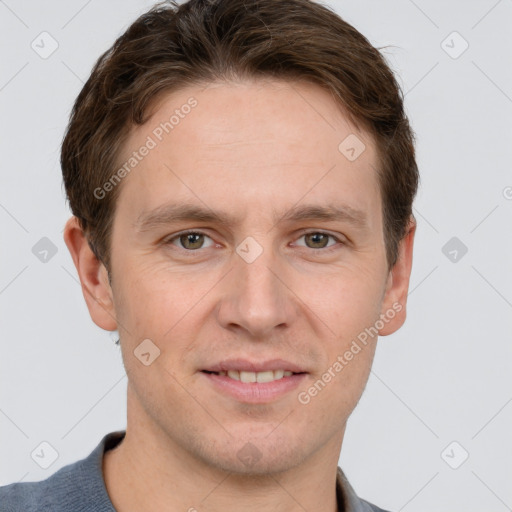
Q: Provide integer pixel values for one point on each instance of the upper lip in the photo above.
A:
(254, 366)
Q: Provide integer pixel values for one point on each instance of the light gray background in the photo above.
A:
(444, 377)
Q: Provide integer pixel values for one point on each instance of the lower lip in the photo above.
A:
(255, 392)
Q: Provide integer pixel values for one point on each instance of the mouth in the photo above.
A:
(254, 377)
(255, 382)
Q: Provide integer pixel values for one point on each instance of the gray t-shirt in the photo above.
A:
(80, 487)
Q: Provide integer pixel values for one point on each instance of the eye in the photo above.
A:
(189, 240)
(193, 240)
(319, 240)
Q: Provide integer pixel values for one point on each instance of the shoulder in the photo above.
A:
(37, 496)
(15, 497)
(370, 507)
(77, 487)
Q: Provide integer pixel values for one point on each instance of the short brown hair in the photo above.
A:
(200, 41)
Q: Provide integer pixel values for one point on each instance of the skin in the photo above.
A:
(248, 149)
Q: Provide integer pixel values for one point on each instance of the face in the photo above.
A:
(285, 269)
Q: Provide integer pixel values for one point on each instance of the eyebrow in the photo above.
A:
(168, 213)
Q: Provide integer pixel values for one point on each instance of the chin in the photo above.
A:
(261, 456)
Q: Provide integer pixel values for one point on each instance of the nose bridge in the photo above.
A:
(259, 301)
(257, 282)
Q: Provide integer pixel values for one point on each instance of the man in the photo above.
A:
(241, 176)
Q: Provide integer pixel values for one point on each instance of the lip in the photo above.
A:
(255, 366)
(254, 392)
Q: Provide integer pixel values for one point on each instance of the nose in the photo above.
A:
(257, 298)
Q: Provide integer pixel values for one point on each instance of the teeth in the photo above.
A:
(267, 376)
(248, 376)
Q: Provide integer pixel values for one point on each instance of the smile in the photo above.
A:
(260, 377)
(254, 387)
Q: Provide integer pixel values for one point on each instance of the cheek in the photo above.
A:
(349, 302)
(329, 397)
(337, 387)
(161, 306)
(146, 294)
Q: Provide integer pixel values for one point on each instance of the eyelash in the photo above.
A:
(327, 250)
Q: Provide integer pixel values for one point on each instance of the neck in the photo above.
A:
(149, 471)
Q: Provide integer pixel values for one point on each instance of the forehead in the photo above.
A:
(248, 113)
(272, 140)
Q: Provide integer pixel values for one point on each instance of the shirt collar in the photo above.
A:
(347, 499)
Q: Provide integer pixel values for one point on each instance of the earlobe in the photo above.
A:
(93, 277)
(393, 311)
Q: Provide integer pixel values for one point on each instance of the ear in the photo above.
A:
(93, 277)
(393, 310)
